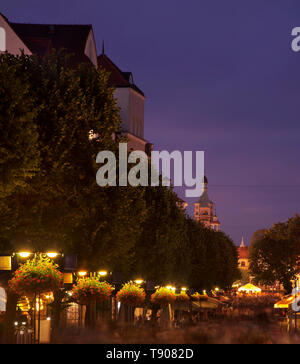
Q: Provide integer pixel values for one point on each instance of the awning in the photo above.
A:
(249, 288)
(285, 302)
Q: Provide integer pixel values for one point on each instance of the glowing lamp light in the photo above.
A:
(24, 255)
(103, 273)
(169, 287)
(52, 255)
(217, 289)
(184, 289)
(139, 281)
(82, 273)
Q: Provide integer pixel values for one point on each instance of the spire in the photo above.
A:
(205, 184)
(242, 243)
(103, 48)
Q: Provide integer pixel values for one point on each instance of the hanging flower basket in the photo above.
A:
(38, 275)
(182, 297)
(163, 296)
(91, 290)
(131, 295)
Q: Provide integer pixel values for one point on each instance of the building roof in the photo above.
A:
(5, 18)
(41, 38)
(117, 77)
(204, 200)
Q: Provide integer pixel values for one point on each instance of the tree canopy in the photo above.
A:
(274, 253)
(54, 120)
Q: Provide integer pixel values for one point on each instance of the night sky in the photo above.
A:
(219, 76)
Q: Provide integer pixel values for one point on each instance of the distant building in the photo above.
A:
(204, 210)
(79, 41)
(243, 253)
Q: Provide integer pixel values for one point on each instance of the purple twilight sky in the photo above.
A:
(219, 76)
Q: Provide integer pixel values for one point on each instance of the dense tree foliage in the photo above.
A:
(51, 197)
(274, 253)
(19, 153)
(213, 258)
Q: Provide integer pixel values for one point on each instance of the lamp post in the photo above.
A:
(37, 295)
(91, 313)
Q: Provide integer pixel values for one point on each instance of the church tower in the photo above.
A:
(204, 210)
(243, 255)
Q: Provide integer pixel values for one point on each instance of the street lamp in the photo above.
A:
(103, 273)
(24, 254)
(82, 273)
(139, 281)
(52, 255)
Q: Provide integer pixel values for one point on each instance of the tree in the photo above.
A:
(214, 259)
(19, 154)
(162, 240)
(62, 207)
(274, 255)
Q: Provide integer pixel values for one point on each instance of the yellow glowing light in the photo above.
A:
(173, 289)
(184, 289)
(249, 288)
(82, 273)
(24, 254)
(39, 305)
(169, 287)
(52, 255)
(103, 273)
(139, 281)
(285, 302)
